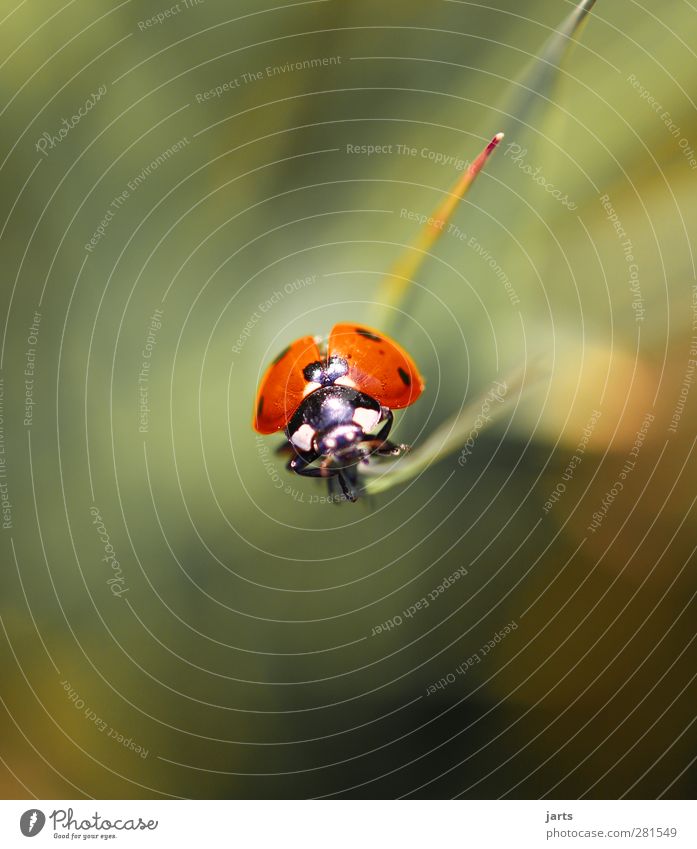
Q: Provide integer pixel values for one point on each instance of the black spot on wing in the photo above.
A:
(260, 407)
(281, 355)
(366, 334)
(406, 377)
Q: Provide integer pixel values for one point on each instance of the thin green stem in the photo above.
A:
(457, 432)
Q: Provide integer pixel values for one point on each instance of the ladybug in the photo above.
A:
(330, 402)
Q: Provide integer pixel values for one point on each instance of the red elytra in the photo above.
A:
(377, 366)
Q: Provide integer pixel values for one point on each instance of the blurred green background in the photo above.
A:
(232, 654)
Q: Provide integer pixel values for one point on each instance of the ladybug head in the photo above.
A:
(341, 441)
(326, 372)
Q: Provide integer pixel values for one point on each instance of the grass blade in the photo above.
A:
(454, 433)
(395, 286)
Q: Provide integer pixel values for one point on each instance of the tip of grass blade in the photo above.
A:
(397, 283)
(443, 214)
(479, 162)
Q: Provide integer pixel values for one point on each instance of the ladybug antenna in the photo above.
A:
(395, 286)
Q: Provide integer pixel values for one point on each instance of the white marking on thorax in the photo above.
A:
(366, 419)
(303, 436)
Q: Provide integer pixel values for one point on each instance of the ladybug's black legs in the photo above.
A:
(299, 464)
(347, 488)
(347, 477)
(340, 469)
(384, 431)
(348, 480)
(385, 447)
(380, 444)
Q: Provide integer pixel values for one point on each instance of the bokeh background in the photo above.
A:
(180, 618)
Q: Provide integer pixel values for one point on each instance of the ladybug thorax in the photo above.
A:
(332, 418)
